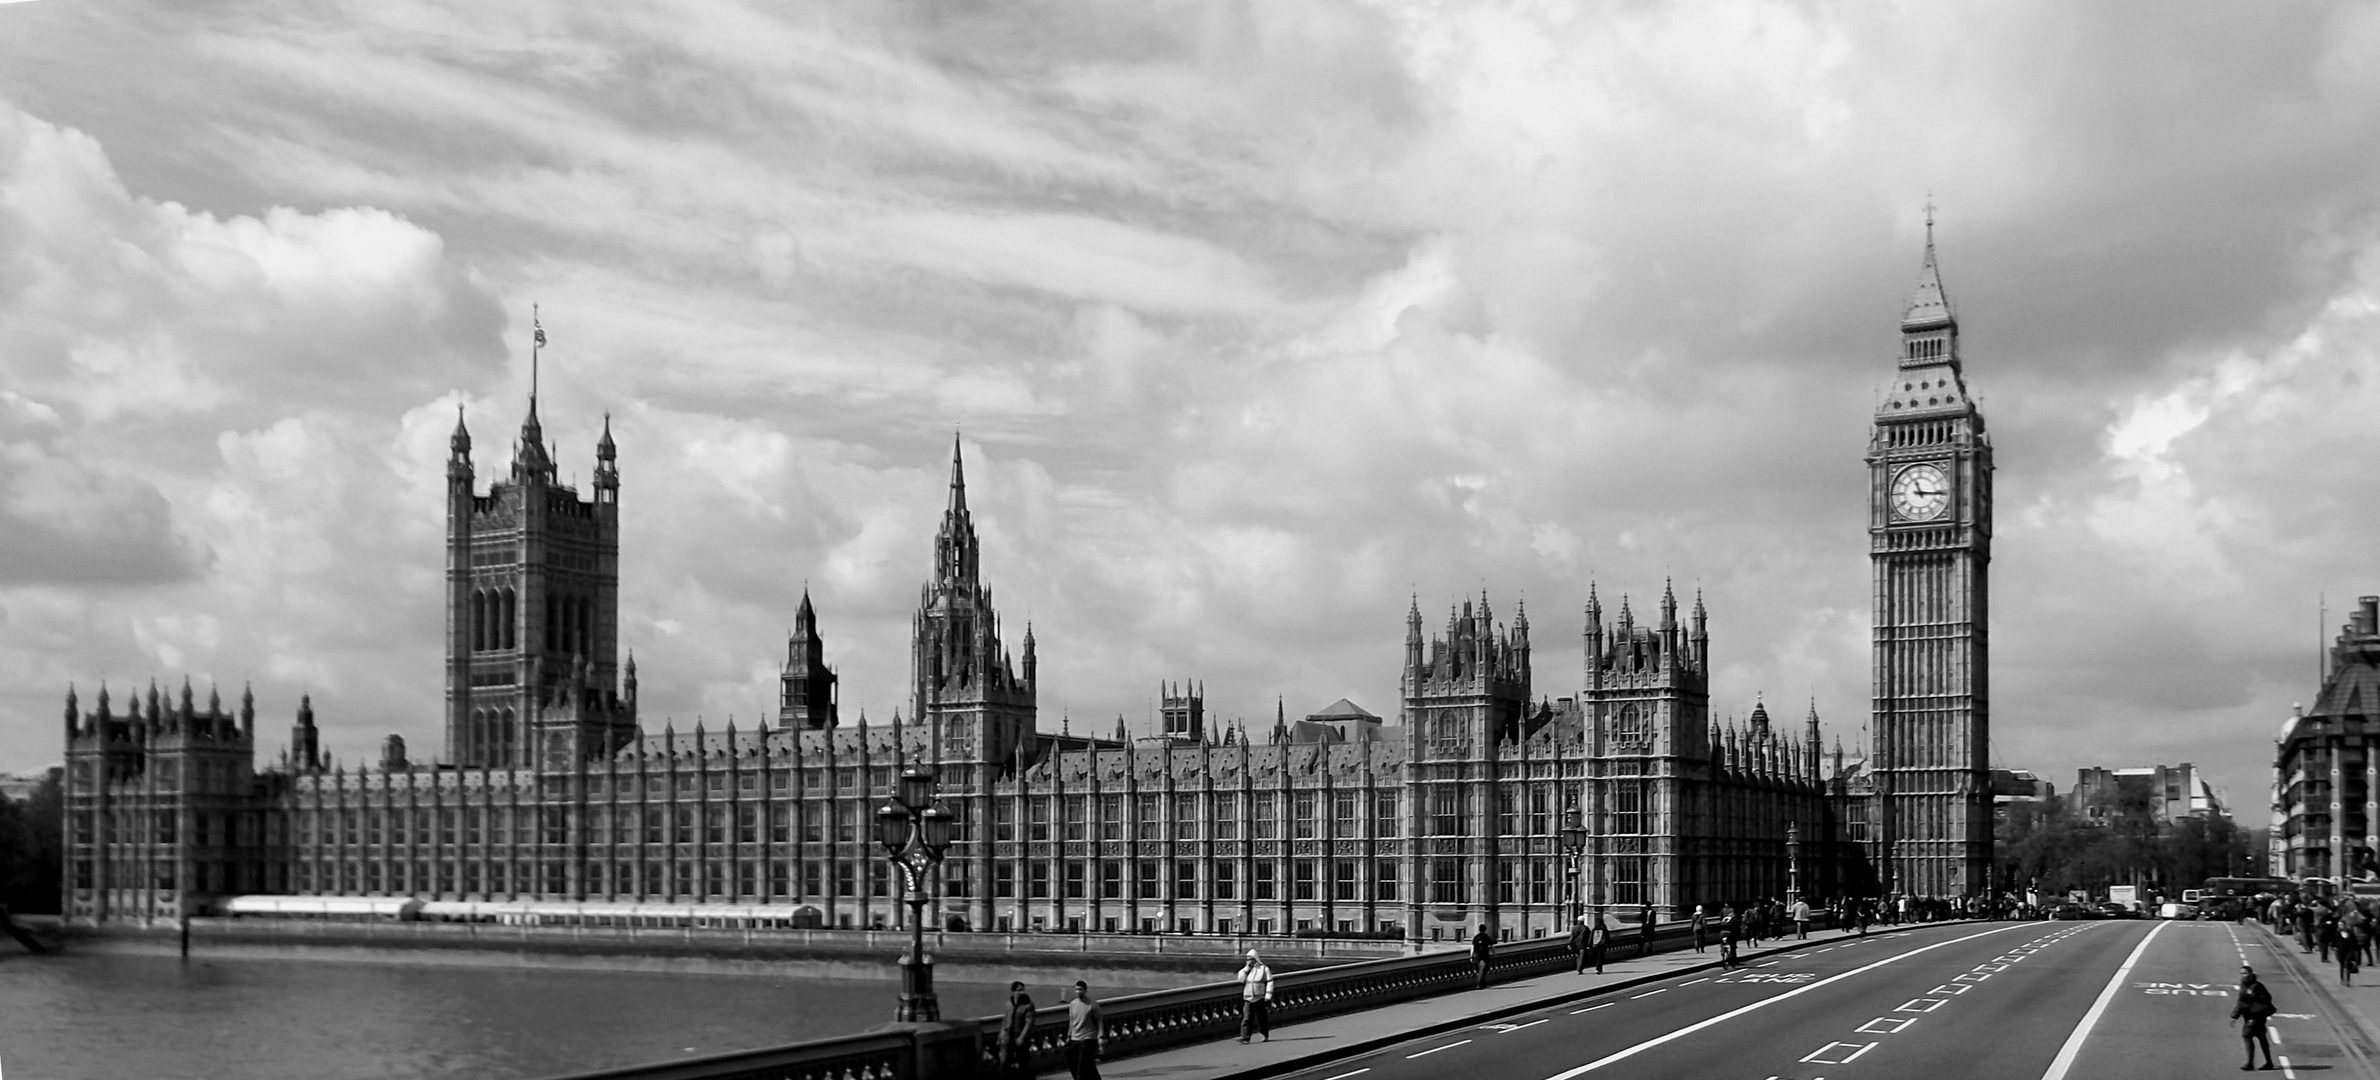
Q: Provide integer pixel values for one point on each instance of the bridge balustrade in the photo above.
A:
(1143, 1023)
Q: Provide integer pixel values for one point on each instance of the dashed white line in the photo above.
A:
(2059, 1066)
(1530, 1024)
(1704, 979)
(1683, 1032)
(1345, 1075)
(1435, 1049)
(1592, 1008)
(1650, 993)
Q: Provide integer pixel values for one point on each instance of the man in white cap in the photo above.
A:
(1256, 998)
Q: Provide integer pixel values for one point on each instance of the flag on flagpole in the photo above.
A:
(540, 339)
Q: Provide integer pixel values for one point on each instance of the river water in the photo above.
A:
(157, 1017)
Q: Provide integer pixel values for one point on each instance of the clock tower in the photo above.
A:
(1930, 545)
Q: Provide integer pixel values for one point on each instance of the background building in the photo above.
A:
(2326, 770)
(2167, 793)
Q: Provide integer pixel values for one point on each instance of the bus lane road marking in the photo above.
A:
(1435, 1049)
(2064, 1062)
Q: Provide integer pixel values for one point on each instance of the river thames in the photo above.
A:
(113, 1016)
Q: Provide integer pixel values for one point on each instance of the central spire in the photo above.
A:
(1929, 306)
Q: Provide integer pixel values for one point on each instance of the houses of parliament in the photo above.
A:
(550, 789)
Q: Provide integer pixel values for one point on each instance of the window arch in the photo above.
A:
(511, 619)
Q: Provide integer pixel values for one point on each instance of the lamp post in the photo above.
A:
(915, 830)
(1793, 861)
(1574, 844)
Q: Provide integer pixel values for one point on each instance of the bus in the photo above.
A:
(2234, 897)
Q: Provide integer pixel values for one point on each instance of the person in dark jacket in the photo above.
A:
(1701, 927)
(2342, 947)
(1483, 947)
(2255, 1006)
(1016, 1033)
(1730, 926)
(1581, 937)
(1644, 930)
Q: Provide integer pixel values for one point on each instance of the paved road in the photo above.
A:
(2037, 1001)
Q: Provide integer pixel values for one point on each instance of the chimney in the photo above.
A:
(2367, 616)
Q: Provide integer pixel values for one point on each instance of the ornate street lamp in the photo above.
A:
(915, 830)
(1793, 861)
(1574, 844)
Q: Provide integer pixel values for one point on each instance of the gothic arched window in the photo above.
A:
(511, 619)
(1627, 727)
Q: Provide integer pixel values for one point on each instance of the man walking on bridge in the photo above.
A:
(1256, 998)
(1483, 948)
(1086, 1033)
(1801, 919)
(1644, 930)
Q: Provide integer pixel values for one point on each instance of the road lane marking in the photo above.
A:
(1345, 1075)
(2060, 1065)
(1831, 1048)
(1592, 1008)
(1950, 988)
(1920, 1005)
(1899, 1025)
(1704, 979)
(1435, 1049)
(1516, 1027)
(1650, 993)
(1970, 977)
(1629, 1052)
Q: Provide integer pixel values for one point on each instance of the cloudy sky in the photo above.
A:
(1256, 319)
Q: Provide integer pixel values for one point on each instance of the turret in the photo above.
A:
(247, 712)
(1810, 740)
(305, 747)
(1699, 636)
(74, 718)
(458, 456)
(1413, 637)
(1032, 666)
(607, 467)
(628, 682)
(1520, 640)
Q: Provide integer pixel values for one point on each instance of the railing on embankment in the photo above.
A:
(1141, 1023)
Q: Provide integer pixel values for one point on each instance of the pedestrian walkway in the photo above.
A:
(1301, 1045)
(2358, 1003)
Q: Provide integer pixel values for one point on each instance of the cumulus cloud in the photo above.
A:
(1256, 322)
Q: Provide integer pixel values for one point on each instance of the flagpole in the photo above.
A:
(536, 342)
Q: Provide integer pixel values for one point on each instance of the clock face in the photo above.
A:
(1920, 493)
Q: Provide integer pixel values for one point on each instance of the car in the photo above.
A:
(2177, 910)
(2071, 911)
(2113, 910)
